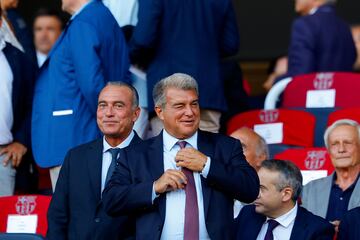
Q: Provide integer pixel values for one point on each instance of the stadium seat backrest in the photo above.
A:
(25, 205)
(313, 162)
(296, 127)
(332, 89)
(346, 113)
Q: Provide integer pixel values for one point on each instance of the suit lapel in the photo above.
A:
(206, 147)
(11, 57)
(155, 158)
(94, 160)
(323, 204)
(300, 225)
(355, 196)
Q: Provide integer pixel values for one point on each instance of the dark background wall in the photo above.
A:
(264, 24)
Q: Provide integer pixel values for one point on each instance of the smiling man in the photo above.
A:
(76, 209)
(181, 184)
(276, 214)
(331, 197)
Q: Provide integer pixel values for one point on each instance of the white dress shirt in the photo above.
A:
(9, 35)
(124, 11)
(41, 57)
(106, 160)
(284, 229)
(175, 200)
(6, 109)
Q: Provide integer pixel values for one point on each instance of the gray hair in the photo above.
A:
(289, 175)
(341, 122)
(179, 81)
(262, 147)
(135, 95)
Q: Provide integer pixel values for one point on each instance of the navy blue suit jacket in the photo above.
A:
(307, 226)
(23, 80)
(230, 177)
(349, 228)
(189, 37)
(90, 52)
(321, 42)
(76, 209)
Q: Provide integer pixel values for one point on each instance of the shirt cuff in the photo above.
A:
(153, 194)
(206, 169)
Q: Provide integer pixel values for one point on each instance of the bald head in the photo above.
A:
(254, 146)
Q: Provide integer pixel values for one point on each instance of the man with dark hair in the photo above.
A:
(17, 79)
(47, 28)
(275, 213)
(181, 183)
(76, 209)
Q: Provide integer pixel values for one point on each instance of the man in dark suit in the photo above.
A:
(17, 79)
(320, 40)
(76, 209)
(275, 213)
(189, 37)
(181, 184)
(349, 226)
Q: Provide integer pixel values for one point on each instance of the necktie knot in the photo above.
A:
(269, 232)
(114, 153)
(182, 144)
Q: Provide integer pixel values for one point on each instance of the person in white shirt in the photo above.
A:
(47, 28)
(276, 215)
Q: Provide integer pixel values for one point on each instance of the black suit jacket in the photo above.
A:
(230, 177)
(23, 81)
(349, 227)
(76, 209)
(307, 226)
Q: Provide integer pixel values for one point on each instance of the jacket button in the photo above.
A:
(97, 220)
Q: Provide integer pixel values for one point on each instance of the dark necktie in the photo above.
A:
(191, 227)
(114, 153)
(269, 232)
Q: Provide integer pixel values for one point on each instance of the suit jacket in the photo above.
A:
(230, 177)
(321, 42)
(22, 91)
(76, 209)
(188, 37)
(316, 195)
(90, 52)
(349, 226)
(307, 226)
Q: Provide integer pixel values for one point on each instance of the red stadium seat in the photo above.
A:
(311, 161)
(336, 89)
(346, 113)
(25, 205)
(297, 126)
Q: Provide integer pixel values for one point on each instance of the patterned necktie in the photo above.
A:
(269, 232)
(191, 227)
(114, 153)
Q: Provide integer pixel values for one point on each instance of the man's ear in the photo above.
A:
(159, 112)
(287, 194)
(136, 114)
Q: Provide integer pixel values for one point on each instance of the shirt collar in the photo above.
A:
(286, 219)
(80, 9)
(123, 144)
(170, 141)
(313, 11)
(350, 187)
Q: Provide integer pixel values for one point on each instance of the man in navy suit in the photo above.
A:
(349, 226)
(275, 213)
(181, 184)
(189, 37)
(320, 40)
(76, 209)
(90, 51)
(17, 78)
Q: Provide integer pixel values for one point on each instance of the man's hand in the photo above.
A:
(14, 152)
(169, 181)
(191, 158)
(336, 224)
